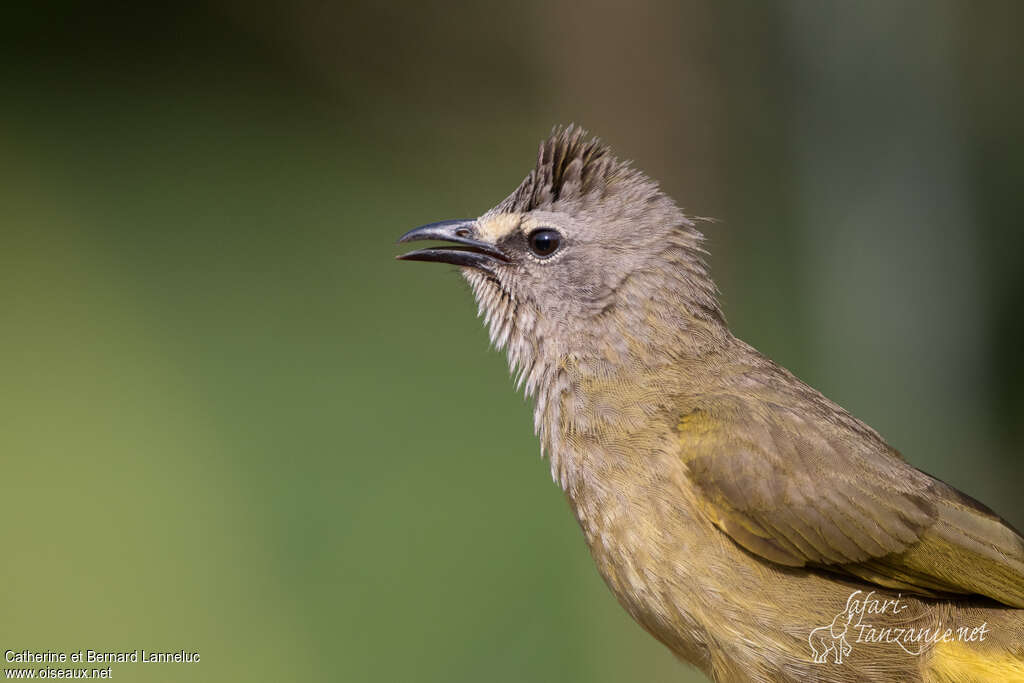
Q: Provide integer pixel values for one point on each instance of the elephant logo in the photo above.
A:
(831, 640)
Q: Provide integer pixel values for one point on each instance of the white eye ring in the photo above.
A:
(544, 242)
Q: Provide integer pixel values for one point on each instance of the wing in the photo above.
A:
(814, 487)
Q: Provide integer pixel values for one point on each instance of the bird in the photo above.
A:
(753, 526)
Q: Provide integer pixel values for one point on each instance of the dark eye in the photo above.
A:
(544, 242)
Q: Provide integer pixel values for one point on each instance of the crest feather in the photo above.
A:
(570, 165)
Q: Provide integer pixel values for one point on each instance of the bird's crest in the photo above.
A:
(570, 165)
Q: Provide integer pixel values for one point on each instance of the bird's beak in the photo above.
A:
(469, 252)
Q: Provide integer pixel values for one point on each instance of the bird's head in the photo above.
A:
(586, 260)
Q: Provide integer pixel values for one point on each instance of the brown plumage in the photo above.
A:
(753, 526)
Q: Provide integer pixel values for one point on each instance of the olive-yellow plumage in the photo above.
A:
(744, 520)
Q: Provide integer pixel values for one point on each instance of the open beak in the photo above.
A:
(466, 251)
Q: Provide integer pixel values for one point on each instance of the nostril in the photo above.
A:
(462, 232)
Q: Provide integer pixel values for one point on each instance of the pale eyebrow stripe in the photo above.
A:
(496, 227)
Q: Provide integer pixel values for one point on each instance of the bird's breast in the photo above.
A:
(639, 517)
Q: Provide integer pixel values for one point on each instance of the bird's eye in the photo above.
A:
(544, 242)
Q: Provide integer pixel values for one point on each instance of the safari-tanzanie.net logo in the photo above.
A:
(868, 618)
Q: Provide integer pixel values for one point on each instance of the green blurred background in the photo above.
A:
(231, 422)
